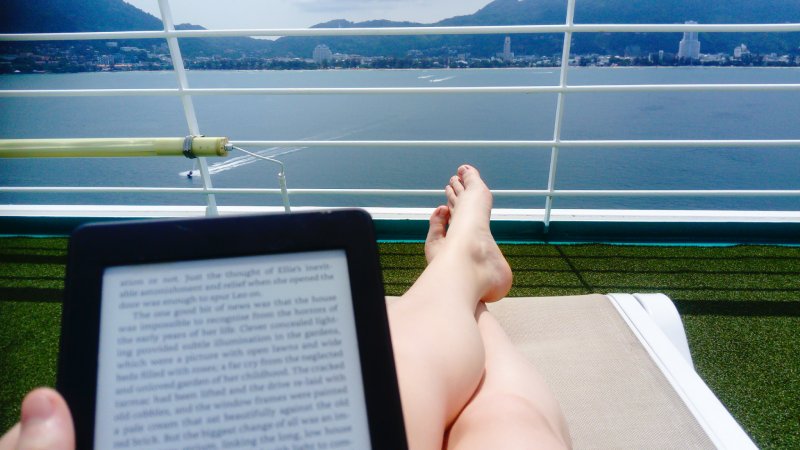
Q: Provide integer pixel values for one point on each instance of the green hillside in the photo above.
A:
(59, 16)
(21, 16)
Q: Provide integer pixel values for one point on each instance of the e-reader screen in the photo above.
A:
(242, 352)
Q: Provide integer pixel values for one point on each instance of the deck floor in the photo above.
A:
(740, 306)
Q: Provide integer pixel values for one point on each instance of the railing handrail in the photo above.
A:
(610, 88)
(413, 192)
(411, 31)
(602, 143)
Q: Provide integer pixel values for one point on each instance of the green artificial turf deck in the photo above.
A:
(740, 306)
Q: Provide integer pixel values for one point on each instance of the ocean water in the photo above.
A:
(674, 115)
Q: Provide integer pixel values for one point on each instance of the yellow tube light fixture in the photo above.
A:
(189, 146)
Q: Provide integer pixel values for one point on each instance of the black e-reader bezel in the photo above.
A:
(93, 248)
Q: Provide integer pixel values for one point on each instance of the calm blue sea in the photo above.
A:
(705, 115)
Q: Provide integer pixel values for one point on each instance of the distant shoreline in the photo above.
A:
(443, 69)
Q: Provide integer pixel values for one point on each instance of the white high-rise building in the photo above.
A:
(322, 53)
(507, 55)
(689, 47)
(740, 51)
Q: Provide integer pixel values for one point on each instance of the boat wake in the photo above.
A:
(240, 161)
(272, 152)
(439, 80)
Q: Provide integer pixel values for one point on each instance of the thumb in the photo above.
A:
(46, 422)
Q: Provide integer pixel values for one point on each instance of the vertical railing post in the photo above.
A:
(551, 179)
(186, 99)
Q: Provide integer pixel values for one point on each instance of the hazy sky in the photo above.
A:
(304, 13)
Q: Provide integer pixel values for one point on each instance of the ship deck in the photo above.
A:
(740, 305)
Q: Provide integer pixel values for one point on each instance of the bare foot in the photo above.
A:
(469, 204)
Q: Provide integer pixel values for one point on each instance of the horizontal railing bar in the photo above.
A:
(528, 143)
(416, 192)
(676, 193)
(681, 87)
(408, 31)
(12, 93)
(681, 143)
(166, 190)
(400, 90)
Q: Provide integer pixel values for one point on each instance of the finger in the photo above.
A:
(46, 422)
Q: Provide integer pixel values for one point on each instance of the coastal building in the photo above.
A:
(507, 56)
(741, 51)
(322, 54)
(689, 47)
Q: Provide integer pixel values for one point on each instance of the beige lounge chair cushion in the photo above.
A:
(611, 392)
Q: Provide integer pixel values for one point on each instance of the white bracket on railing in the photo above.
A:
(281, 176)
(186, 99)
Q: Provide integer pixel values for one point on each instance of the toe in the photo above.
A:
(451, 196)
(458, 186)
(438, 223)
(436, 232)
(469, 175)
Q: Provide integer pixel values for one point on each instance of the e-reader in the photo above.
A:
(265, 331)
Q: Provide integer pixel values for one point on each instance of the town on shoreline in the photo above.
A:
(114, 57)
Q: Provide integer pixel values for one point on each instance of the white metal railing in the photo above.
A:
(186, 100)
(612, 88)
(562, 84)
(511, 144)
(412, 31)
(562, 89)
(419, 192)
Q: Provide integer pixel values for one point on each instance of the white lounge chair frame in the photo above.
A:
(654, 320)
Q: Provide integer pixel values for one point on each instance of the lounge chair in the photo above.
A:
(620, 366)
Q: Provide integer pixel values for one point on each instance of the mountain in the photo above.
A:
(222, 45)
(20, 16)
(542, 12)
(54, 16)
(360, 45)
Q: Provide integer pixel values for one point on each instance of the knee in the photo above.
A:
(502, 408)
(506, 419)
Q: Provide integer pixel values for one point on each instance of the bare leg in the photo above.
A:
(513, 408)
(438, 347)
